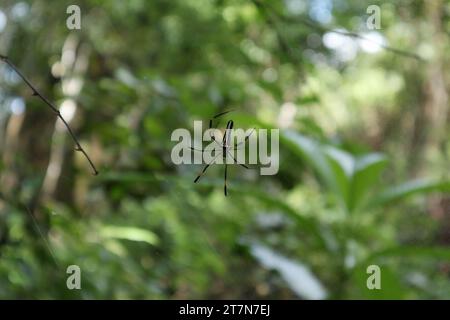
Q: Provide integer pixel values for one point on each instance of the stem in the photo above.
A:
(36, 93)
(318, 27)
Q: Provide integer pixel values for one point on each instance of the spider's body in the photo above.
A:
(226, 148)
(226, 141)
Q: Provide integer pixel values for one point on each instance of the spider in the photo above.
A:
(225, 146)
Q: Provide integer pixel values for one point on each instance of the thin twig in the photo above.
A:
(36, 93)
(309, 23)
(30, 213)
(358, 36)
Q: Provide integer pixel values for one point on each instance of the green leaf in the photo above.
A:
(129, 233)
(420, 186)
(355, 176)
(349, 177)
(296, 274)
(366, 173)
(342, 164)
(312, 153)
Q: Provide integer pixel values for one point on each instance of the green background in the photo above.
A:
(364, 150)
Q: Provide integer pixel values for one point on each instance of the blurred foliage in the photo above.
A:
(364, 150)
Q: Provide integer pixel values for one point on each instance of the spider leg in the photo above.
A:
(205, 168)
(225, 181)
(235, 161)
(245, 140)
(203, 150)
(213, 137)
(222, 113)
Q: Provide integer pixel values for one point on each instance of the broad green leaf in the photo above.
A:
(420, 186)
(355, 175)
(349, 177)
(312, 153)
(129, 233)
(366, 173)
(342, 164)
(296, 274)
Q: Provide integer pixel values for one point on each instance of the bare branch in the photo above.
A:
(322, 29)
(55, 110)
(311, 24)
